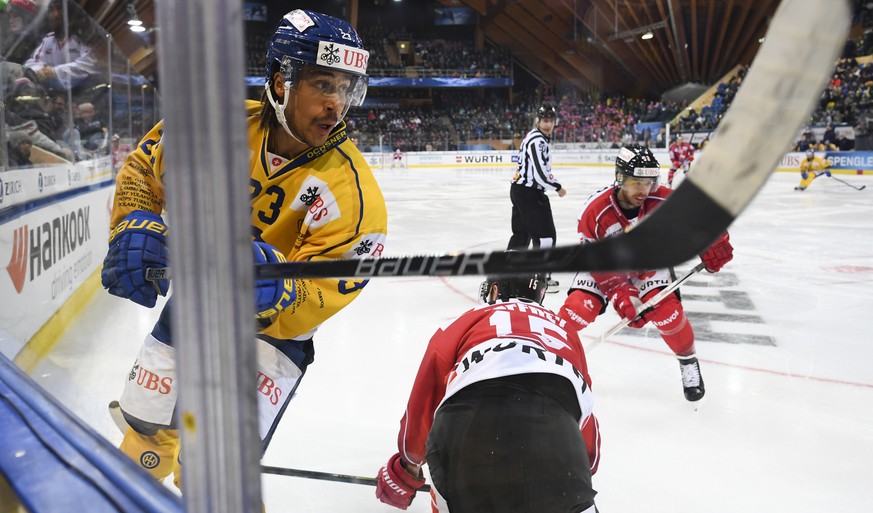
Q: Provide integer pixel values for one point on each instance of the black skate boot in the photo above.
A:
(692, 381)
(553, 285)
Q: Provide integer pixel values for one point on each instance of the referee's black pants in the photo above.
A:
(531, 218)
(511, 445)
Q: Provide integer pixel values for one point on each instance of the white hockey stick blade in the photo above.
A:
(648, 305)
(776, 97)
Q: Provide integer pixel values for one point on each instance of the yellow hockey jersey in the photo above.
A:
(816, 165)
(323, 204)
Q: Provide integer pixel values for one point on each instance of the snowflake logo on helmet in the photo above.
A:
(330, 55)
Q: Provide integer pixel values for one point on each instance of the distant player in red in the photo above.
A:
(398, 158)
(501, 412)
(681, 157)
(612, 211)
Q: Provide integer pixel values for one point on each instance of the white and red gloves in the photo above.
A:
(624, 296)
(396, 485)
(718, 254)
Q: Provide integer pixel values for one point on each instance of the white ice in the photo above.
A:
(782, 336)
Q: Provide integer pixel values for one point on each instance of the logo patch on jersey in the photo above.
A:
(371, 245)
(614, 229)
(149, 459)
(275, 162)
(316, 197)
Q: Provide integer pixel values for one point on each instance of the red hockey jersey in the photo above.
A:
(504, 339)
(602, 217)
(681, 153)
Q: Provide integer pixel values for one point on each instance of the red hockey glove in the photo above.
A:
(626, 300)
(720, 253)
(396, 486)
(624, 296)
(580, 309)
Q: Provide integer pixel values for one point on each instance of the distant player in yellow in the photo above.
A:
(812, 168)
(313, 197)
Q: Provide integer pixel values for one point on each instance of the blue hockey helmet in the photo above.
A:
(304, 37)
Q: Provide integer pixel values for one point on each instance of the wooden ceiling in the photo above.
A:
(113, 15)
(590, 43)
(597, 42)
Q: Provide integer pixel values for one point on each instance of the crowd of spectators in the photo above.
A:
(457, 119)
(50, 72)
(710, 115)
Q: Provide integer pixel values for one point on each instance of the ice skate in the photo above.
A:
(692, 381)
(553, 285)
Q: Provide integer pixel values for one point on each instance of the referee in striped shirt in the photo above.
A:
(531, 212)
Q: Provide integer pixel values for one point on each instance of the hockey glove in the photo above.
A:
(626, 301)
(804, 175)
(138, 242)
(827, 172)
(271, 296)
(395, 485)
(720, 253)
(624, 296)
(579, 310)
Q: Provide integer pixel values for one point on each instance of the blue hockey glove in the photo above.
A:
(827, 172)
(804, 175)
(138, 242)
(271, 296)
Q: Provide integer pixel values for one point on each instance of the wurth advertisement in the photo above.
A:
(47, 254)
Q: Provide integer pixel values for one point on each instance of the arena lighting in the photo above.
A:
(647, 35)
(134, 21)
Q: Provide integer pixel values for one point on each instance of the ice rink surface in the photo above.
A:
(782, 334)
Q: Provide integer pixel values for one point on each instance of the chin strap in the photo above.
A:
(280, 109)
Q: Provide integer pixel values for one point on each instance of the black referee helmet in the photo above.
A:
(547, 111)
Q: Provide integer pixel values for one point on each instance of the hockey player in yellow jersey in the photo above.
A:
(313, 197)
(811, 168)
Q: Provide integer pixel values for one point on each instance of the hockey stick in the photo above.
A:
(327, 476)
(118, 419)
(648, 305)
(771, 104)
(861, 188)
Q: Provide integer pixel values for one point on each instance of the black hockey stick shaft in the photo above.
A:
(326, 476)
(861, 188)
(676, 229)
